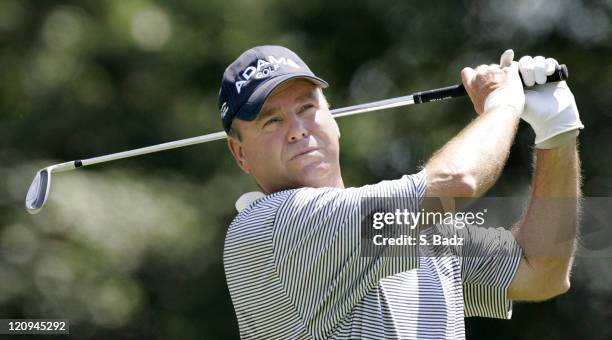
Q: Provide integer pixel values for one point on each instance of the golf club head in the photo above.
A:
(38, 191)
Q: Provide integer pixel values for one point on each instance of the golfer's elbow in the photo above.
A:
(562, 288)
(547, 292)
(467, 186)
(450, 183)
(543, 291)
(553, 276)
(554, 289)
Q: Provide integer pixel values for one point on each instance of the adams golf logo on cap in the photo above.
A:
(250, 79)
(263, 69)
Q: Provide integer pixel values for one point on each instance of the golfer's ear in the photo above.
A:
(235, 147)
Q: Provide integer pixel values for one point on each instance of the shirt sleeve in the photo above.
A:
(318, 252)
(490, 258)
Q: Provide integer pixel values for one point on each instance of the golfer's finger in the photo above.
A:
(539, 70)
(467, 74)
(526, 69)
(513, 68)
(551, 66)
(481, 68)
(506, 58)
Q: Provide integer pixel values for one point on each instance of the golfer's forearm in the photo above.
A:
(548, 230)
(471, 162)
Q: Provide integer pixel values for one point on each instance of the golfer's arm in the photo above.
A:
(470, 163)
(547, 232)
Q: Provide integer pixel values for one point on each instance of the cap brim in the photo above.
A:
(251, 108)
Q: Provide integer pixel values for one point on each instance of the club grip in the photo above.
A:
(455, 91)
(560, 74)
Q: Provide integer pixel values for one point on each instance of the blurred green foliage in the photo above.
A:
(133, 249)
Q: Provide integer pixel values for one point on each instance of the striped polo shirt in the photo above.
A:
(295, 270)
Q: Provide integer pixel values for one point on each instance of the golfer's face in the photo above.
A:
(294, 140)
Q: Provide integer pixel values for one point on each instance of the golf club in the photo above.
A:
(38, 192)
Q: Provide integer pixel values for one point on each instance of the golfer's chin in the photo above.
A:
(315, 174)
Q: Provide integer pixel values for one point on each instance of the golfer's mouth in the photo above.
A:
(305, 152)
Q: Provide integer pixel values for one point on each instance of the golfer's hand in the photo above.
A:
(492, 86)
(550, 109)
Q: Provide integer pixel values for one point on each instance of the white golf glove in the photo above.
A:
(507, 95)
(550, 109)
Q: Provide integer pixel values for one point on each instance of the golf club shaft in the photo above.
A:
(417, 98)
(347, 111)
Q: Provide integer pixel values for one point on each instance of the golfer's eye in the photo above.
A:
(271, 121)
(307, 107)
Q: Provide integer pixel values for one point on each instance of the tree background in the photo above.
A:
(133, 248)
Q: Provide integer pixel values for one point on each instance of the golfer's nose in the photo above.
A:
(297, 128)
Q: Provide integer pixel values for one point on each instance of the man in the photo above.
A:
(293, 257)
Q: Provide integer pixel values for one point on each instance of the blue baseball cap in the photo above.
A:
(249, 80)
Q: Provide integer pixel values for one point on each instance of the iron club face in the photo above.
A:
(38, 191)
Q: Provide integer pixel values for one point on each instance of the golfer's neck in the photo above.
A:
(338, 182)
(333, 182)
